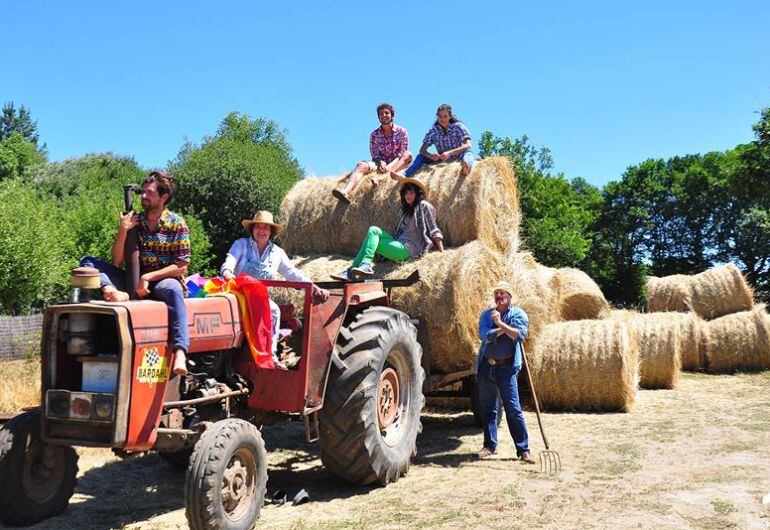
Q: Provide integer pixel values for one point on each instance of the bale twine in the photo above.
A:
(740, 341)
(481, 206)
(586, 365)
(579, 297)
(720, 291)
(455, 287)
(669, 293)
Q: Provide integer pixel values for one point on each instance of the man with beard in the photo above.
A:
(502, 328)
(388, 146)
(163, 242)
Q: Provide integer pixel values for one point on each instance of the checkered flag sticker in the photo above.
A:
(152, 357)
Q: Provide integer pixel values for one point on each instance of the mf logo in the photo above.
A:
(205, 324)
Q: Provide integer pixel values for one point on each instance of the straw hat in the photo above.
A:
(502, 285)
(416, 182)
(262, 216)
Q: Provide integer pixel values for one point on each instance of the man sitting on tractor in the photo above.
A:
(163, 244)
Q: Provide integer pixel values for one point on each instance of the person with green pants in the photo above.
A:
(416, 233)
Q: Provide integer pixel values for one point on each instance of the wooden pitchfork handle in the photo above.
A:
(534, 396)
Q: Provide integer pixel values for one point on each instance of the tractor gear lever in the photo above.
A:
(128, 196)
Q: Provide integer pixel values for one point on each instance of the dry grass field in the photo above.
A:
(694, 457)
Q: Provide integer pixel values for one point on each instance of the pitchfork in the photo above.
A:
(550, 461)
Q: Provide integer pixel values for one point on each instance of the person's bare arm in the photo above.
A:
(127, 222)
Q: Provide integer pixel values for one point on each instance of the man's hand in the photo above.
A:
(228, 275)
(143, 288)
(128, 220)
(320, 295)
(496, 317)
(443, 156)
(111, 294)
(395, 176)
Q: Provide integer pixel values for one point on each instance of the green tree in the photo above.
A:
(18, 156)
(557, 213)
(18, 121)
(247, 166)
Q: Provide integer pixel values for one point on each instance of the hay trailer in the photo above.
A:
(356, 383)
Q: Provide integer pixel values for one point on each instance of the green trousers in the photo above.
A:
(380, 242)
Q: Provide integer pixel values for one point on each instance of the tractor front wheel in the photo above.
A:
(371, 415)
(226, 478)
(36, 479)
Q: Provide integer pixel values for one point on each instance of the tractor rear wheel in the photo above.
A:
(36, 479)
(371, 414)
(227, 477)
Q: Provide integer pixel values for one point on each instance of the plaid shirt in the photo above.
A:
(454, 136)
(388, 147)
(167, 245)
(425, 215)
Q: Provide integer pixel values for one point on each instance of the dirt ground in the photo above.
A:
(694, 457)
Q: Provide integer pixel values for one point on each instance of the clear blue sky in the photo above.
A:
(603, 84)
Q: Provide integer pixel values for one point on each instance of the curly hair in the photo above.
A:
(166, 183)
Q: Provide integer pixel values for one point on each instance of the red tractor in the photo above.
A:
(356, 381)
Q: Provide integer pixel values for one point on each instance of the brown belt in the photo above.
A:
(495, 362)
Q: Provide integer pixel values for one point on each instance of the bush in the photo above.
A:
(34, 249)
(245, 168)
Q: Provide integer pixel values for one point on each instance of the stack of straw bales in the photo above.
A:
(482, 206)
(710, 294)
(456, 286)
(586, 365)
(740, 341)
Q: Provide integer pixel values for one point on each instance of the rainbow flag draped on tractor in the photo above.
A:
(254, 302)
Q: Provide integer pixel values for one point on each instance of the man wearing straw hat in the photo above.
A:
(502, 328)
(258, 256)
(388, 146)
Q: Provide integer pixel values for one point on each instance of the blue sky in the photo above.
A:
(603, 84)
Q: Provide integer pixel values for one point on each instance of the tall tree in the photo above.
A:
(19, 121)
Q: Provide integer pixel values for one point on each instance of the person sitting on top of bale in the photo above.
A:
(388, 146)
(502, 328)
(258, 256)
(163, 241)
(452, 141)
(416, 233)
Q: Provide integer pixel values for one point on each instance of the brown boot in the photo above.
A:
(486, 452)
(527, 458)
(180, 362)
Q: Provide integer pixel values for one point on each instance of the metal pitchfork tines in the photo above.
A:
(550, 461)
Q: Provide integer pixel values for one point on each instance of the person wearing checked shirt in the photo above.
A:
(502, 328)
(451, 139)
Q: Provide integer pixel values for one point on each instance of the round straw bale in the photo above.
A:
(456, 286)
(669, 293)
(481, 206)
(586, 365)
(740, 341)
(579, 298)
(660, 340)
(720, 291)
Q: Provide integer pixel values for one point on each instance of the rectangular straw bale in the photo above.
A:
(586, 365)
(483, 205)
(579, 297)
(738, 342)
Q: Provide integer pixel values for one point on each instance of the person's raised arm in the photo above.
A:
(127, 221)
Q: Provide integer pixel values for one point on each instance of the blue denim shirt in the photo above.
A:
(514, 317)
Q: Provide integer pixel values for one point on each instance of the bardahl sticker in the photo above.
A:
(154, 368)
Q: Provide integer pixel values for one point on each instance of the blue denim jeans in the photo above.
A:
(466, 156)
(501, 379)
(167, 290)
